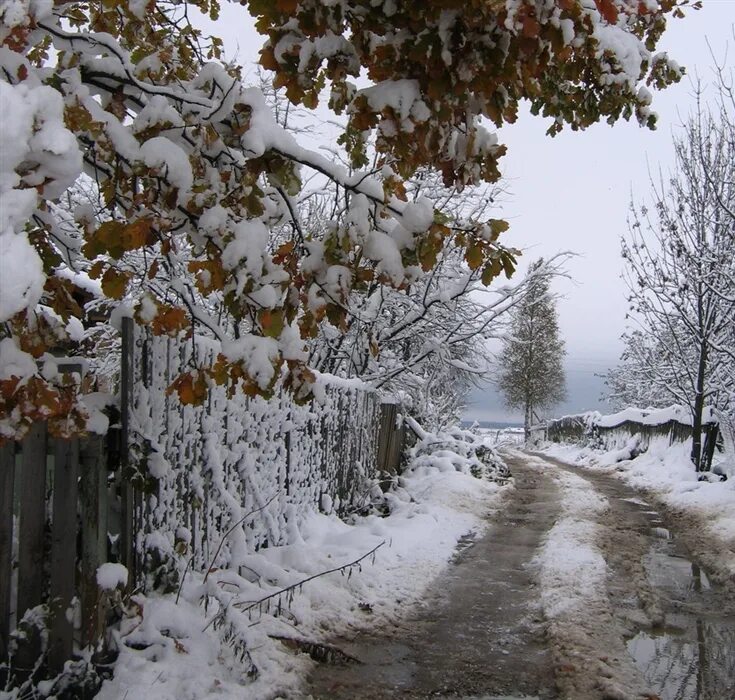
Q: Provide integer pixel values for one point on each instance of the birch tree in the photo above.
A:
(531, 369)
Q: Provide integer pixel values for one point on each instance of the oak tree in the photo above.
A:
(197, 177)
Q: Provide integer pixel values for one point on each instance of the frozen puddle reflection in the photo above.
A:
(637, 501)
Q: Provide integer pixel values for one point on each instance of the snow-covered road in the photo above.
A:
(578, 590)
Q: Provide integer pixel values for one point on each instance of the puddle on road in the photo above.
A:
(661, 532)
(692, 655)
(637, 502)
(690, 663)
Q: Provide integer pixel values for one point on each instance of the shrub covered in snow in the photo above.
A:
(459, 450)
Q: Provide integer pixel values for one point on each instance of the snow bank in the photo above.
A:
(459, 450)
(572, 571)
(656, 416)
(209, 646)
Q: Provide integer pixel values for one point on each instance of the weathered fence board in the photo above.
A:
(127, 497)
(7, 484)
(32, 520)
(93, 502)
(31, 535)
(391, 439)
(63, 550)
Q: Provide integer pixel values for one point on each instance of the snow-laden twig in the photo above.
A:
(231, 530)
(247, 606)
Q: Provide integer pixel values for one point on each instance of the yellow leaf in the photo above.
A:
(474, 255)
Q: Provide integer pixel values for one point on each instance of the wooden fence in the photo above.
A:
(578, 429)
(206, 467)
(68, 506)
(54, 509)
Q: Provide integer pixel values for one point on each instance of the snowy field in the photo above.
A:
(502, 437)
(178, 651)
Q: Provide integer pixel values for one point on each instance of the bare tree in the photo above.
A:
(679, 270)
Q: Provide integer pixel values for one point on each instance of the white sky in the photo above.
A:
(572, 192)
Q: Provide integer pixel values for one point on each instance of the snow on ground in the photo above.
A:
(179, 651)
(666, 472)
(572, 570)
(583, 635)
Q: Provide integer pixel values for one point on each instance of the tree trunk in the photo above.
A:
(697, 410)
(527, 422)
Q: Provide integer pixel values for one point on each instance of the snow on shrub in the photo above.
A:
(459, 450)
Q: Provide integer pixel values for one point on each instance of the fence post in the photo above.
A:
(386, 437)
(127, 514)
(287, 442)
(711, 432)
(93, 497)
(7, 477)
(63, 550)
(31, 527)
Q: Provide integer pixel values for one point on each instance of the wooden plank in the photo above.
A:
(31, 539)
(93, 506)
(7, 483)
(127, 515)
(287, 476)
(385, 436)
(63, 550)
(32, 522)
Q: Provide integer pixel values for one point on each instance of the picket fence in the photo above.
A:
(169, 486)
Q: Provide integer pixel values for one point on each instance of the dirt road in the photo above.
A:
(486, 629)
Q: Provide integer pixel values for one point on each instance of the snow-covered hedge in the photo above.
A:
(458, 450)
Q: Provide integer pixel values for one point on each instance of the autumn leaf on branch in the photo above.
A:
(199, 214)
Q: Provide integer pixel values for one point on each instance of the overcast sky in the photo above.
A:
(572, 192)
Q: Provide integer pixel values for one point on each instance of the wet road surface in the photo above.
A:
(480, 632)
(679, 628)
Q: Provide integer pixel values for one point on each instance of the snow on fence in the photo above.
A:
(241, 462)
(613, 432)
(193, 484)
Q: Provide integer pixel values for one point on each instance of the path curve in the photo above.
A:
(479, 629)
(657, 628)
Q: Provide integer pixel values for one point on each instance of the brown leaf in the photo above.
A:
(531, 27)
(474, 255)
(608, 10)
(114, 283)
